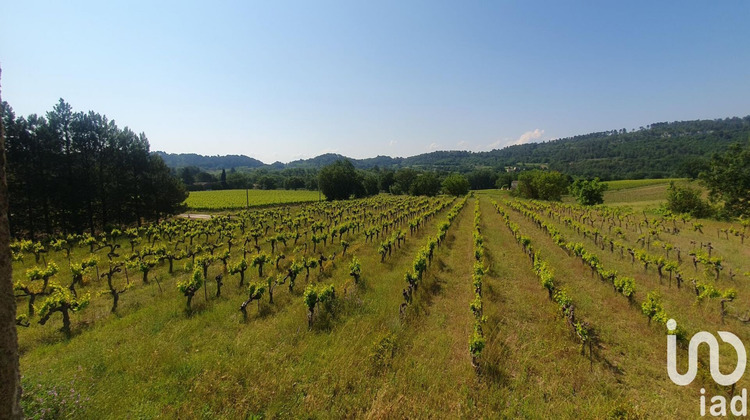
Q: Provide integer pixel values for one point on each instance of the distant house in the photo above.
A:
(513, 185)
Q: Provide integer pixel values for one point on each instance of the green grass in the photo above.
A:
(648, 196)
(636, 183)
(237, 199)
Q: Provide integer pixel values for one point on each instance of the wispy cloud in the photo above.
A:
(529, 136)
(392, 143)
(433, 146)
(463, 144)
(498, 143)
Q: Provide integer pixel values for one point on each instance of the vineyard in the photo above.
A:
(239, 199)
(391, 306)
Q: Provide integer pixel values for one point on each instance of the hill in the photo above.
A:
(180, 160)
(660, 150)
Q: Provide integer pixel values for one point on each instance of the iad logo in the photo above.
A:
(713, 349)
(718, 407)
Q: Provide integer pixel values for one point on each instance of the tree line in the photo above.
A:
(78, 171)
(341, 181)
(660, 150)
(373, 181)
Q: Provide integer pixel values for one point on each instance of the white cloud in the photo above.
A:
(463, 144)
(529, 136)
(433, 146)
(392, 143)
(499, 143)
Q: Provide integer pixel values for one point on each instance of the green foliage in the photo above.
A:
(402, 180)
(239, 199)
(426, 183)
(728, 180)
(562, 299)
(191, 284)
(687, 200)
(256, 290)
(355, 269)
(339, 180)
(625, 285)
(482, 179)
(542, 185)
(546, 276)
(325, 295)
(37, 273)
(456, 184)
(61, 297)
(652, 307)
(81, 153)
(310, 297)
(588, 193)
(476, 342)
(239, 267)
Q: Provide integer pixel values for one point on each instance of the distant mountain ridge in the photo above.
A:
(179, 160)
(659, 150)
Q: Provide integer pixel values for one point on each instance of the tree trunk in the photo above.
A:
(243, 309)
(10, 376)
(66, 321)
(32, 299)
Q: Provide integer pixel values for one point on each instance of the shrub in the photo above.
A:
(542, 185)
(456, 184)
(687, 200)
(588, 193)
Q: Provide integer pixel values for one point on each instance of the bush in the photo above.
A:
(687, 200)
(588, 193)
(456, 184)
(542, 185)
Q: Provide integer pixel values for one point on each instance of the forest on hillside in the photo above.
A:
(659, 150)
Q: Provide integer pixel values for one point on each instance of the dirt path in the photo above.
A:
(195, 216)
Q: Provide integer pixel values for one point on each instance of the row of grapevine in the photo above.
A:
(582, 330)
(424, 257)
(277, 237)
(477, 341)
(651, 237)
(650, 307)
(702, 289)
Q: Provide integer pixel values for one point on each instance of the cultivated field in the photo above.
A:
(637, 183)
(483, 306)
(239, 199)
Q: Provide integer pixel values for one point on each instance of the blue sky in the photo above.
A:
(279, 80)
